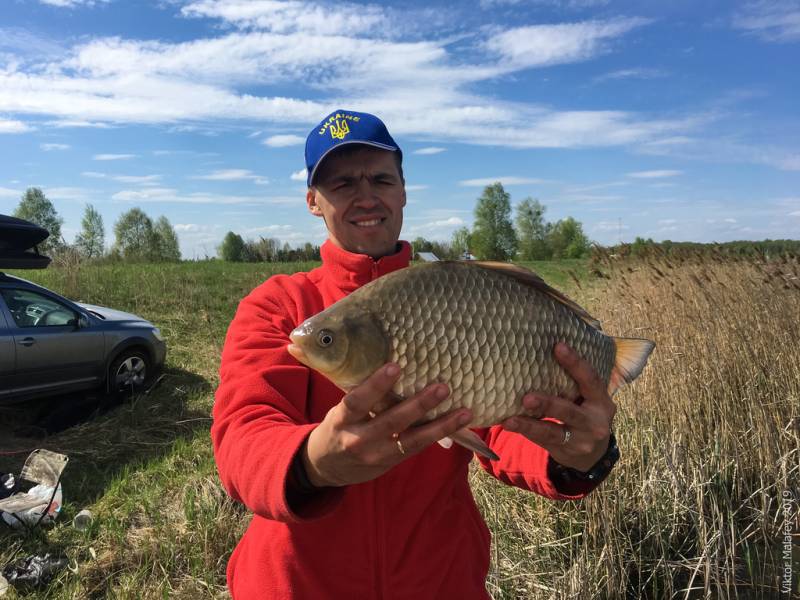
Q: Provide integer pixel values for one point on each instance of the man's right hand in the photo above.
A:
(350, 446)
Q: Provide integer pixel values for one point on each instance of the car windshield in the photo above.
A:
(31, 309)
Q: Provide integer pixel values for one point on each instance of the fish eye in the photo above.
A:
(325, 338)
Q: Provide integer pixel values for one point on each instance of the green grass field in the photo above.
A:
(710, 441)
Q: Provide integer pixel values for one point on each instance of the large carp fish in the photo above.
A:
(485, 329)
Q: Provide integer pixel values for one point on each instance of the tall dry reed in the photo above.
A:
(710, 440)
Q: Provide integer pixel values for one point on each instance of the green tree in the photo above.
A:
(493, 235)
(532, 230)
(232, 248)
(36, 208)
(420, 244)
(135, 239)
(641, 247)
(165, 247)
(90, 242)
(567, 239)
(460, 242)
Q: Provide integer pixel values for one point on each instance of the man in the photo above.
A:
(350, 506)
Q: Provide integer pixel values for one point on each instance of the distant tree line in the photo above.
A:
(137, 237)
(495, 237)
(643, 248)
(234, 248)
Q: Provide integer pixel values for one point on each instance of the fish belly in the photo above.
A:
(487, 336)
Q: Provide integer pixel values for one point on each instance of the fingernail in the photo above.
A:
(464, 418)
(442, 392)
(511, 424)
(531, 402)
(562, 350)
(392, 370)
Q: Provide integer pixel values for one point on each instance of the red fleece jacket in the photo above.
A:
(415, 532)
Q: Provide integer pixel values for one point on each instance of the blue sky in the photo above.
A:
(673, 120)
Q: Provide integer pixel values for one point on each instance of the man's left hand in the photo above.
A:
(583, 437)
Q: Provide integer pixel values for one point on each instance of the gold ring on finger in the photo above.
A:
(396, 438)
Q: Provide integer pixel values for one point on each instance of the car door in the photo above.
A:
(52, 350)
(7, 353)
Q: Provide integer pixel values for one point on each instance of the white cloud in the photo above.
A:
(416, 188)
(786, 163)
(429, 150)
(654, 174)
(173, 195)
(67, 193)
(7, 126)
(729, 220)
(545, 45)
(191, 227)
(71, 3)
(667, 221)
(301, 175)
(563, 4)
(76, 123)
(137, 179)
(291, 16)
(795, 213)
(117, 81)
(9, 193)
(636, 73)
(233, 175)
(441, 228)
(281, 141)
(771, 20)
(50, 147)
(610, 226)
(113, 156)
(505, 180)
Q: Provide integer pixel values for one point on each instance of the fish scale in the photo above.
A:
(445, 323)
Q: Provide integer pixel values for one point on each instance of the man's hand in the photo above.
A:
(583, 438)
(350, 446)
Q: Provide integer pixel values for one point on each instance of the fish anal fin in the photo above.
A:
(472, 441)
(530, 278)
(632, 355)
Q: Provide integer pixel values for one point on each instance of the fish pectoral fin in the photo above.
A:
(446, 442)
(632, 355)
(472, 441)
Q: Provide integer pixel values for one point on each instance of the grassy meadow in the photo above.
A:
(709, 435)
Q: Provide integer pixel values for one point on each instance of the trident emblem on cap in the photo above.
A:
(339, 129)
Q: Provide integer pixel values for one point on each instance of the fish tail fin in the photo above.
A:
(472, 441)
(632, 355)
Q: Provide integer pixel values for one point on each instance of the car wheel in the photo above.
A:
(130, 371)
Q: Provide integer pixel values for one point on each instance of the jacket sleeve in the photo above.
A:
(524, 464)
(260, 420)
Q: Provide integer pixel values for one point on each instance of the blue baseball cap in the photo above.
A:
(345, 127)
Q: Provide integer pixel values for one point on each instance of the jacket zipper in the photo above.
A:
(374, 271)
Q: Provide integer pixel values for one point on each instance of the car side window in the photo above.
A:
(31, 309)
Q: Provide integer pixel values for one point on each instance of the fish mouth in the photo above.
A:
(295, 349)
(297, 352)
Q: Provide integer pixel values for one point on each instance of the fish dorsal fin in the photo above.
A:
(530, 278)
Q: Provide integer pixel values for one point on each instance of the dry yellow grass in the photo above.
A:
(710, 439)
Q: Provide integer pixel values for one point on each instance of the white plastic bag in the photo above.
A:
(31, 506)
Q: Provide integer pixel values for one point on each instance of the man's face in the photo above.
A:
(360, 195)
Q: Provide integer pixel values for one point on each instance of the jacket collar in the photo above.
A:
(349, 271)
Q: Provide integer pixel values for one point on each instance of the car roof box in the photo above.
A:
(18, 241)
